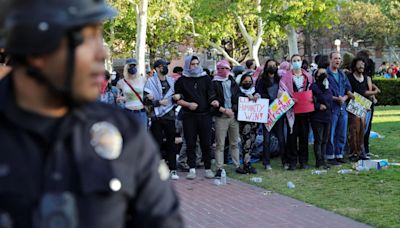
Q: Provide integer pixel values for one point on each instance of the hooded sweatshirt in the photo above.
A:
(194, 87)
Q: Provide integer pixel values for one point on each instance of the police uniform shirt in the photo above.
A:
(111, 188)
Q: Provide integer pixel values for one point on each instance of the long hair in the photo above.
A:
(265, 78)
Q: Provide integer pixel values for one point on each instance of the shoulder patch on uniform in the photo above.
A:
(163, 171)
(106, 140)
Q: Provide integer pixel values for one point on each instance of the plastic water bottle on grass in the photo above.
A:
(290, 185)
(223, 177)
(319, 172)
(256, 179)
(345, 171)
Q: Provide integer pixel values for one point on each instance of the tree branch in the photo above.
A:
(224, 53)
(244, 32)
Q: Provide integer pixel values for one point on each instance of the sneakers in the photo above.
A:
(209, 174)
(249, 169)
(286, 166)
(240, 170)
(218, 174)
(191, 175)
(269, 168)
(173, 175)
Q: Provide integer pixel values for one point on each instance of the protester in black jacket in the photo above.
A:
(195, 93)
(268, 86)
(321, 118)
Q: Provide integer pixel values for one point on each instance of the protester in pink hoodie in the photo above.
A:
(296, 80)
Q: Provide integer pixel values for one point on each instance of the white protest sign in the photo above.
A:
(250, 111)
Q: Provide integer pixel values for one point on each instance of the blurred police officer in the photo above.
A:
(67, 161)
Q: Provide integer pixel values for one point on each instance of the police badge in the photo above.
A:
(106, 140)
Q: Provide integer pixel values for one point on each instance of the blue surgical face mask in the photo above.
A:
(296, 65)
(132, 70)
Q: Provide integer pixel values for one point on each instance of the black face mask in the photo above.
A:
(164, 70)
(321, 77)
(246, 85)
(132, 70)
(2, 57)
(271, 70)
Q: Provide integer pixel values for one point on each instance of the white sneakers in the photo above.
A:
(173, 175)
(209, 174)
(192, 174)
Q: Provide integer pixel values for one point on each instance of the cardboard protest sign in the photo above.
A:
(250, 111)
(304, 103)
(359, 106)
(277, 108)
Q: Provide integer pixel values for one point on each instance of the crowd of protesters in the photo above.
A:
(194, 113)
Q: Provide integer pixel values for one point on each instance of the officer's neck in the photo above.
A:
(35, 97)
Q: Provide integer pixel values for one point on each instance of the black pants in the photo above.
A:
(197, 125)
(366, 136)
(321, 136)
(161, 128)
(300, 131)
(278, 131)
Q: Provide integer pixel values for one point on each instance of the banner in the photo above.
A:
(250, 111)
(277, 108)
(359, 105)
(304, 103)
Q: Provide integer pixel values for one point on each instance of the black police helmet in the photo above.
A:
(37, 26)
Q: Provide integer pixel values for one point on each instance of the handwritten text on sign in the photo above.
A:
(277, 108)
(251, 111)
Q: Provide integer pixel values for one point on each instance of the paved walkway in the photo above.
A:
(237, 204)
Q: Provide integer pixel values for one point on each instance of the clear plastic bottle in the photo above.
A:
(256, 179)
(319, 172)
(290, 185)
(345, 171)
(223, 177)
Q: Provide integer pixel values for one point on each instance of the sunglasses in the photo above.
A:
(222, 68)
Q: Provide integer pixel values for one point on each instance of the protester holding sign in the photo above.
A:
(359, 84)
(248, 130)
(296, 80)
(321, 118)
(227, 94)
(268, 86)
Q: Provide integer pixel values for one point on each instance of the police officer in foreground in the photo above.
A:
(65, 160)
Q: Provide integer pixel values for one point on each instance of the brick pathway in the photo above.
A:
(237, 204)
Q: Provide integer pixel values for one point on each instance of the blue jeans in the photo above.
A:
(338, 138)
(141, 116)
(367, 120)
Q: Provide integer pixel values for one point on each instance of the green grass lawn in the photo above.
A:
(371, 197)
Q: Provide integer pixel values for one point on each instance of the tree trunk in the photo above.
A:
(307, 45)
(292, 41)
(141, 20)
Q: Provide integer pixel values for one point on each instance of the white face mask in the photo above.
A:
(113, 76)
(326, 83)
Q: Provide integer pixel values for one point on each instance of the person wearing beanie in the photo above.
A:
(227, 93)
